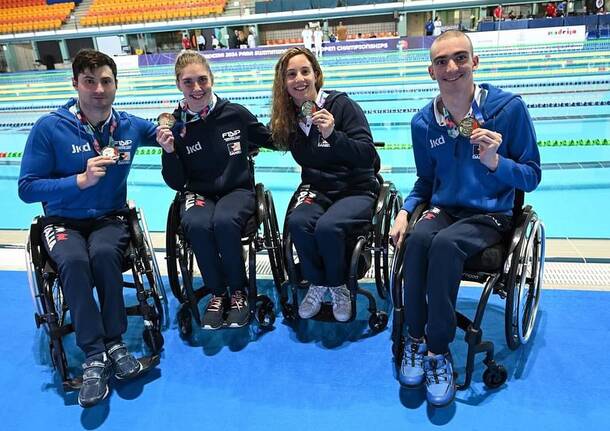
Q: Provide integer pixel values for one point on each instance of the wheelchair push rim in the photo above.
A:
(525, 282)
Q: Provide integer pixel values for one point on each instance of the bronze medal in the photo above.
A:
(166, 119)
(110, 152)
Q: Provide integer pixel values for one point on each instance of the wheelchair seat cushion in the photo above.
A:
(490, 259)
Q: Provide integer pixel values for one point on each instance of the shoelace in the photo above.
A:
(437, 372)
(314, 294)
(412, 354)
(238, 300)
(340, 295)
(215, 303)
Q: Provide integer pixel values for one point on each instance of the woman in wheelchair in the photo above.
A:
(329, 137)
(473, 146)
(206, 144)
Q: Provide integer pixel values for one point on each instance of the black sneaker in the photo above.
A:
(125, 364)
(239, 313)
(96, 373)
(213, 318)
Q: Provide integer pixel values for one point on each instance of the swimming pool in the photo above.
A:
(568, 94)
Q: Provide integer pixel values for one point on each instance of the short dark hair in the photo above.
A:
(90, 59)
(451, 34)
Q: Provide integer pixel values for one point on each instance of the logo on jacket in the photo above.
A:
(231, 135)
(437, 142)
(305, 197)
(234, 148)
(190, 149)
(81, 148)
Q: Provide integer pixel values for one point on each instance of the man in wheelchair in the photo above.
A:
(76, 162)
(473, 146)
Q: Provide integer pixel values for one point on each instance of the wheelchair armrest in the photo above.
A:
(416, 214)
(133, 220)
(520, 224)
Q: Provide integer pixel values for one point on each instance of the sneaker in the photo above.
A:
(440, 383)
(239, 313)
(213, 318)
(342, 303)
(125, 364)
(311, 304)
(412, 365)
(96, 373)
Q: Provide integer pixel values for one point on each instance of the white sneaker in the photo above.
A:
(342, 303)
(312, 302)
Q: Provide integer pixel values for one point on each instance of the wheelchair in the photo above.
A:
(512, 269)
(369, 245)
(261, 232)
(51, 309)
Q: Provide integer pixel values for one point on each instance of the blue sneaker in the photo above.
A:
(412, 367)
(440, 384)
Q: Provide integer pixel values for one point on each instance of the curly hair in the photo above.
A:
(283, 114)
(187, 57)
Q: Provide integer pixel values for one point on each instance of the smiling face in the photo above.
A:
(453, 64)
(300, 80)
(96, 91)
(195, 82)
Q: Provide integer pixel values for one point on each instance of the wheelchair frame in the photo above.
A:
(51, 310)
(180, 263)
(374, 239)
(518, 280)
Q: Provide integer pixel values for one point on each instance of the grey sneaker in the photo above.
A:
(96, 373)
(342, 303)
(125, 364)
(312, 302)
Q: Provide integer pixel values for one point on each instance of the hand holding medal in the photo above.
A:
(324, 121)
(165, 137)
(488, 143)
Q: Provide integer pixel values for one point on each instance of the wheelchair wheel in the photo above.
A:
(153, 339)
(265, 315)
(495, 376)
(392, 204)
(273, 243)
(524, 282)
(378, 322)
(148, 274)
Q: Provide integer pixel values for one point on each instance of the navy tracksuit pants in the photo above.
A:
(90, 253)
(435, 252)
(213, 227)
(320, 225)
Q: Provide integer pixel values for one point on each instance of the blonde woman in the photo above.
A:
(206, 156)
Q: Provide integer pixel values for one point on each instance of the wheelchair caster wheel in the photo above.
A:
(290, 312)
(38, 319)
(378, 321)
(265, 315)
(494, 376)
(153, 339)
(185, 321)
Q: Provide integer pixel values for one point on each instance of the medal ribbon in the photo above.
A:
(453, 129)
(185, 113)
(97, 135)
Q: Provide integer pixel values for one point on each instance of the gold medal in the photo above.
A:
(466, 126)
(166, 119)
